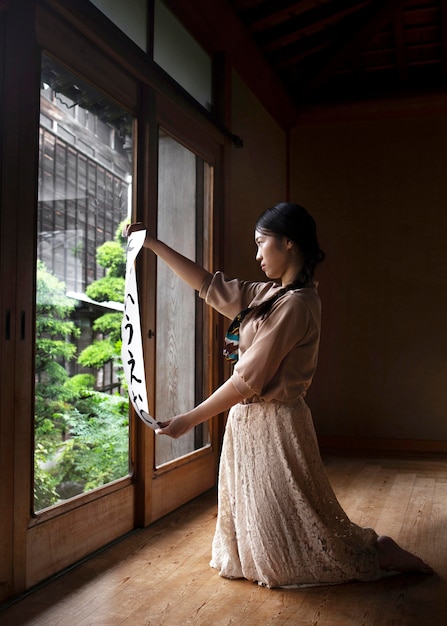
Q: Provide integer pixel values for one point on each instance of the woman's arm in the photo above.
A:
(189, 271)
(225, 396)
(222, 399)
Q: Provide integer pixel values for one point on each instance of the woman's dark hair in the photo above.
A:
(292, 221)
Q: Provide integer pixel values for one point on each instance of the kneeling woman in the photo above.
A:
(279, 522)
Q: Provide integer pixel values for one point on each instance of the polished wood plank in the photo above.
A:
(161, 575)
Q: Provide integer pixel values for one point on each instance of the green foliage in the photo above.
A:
(98, 449)
(79, 384)
(97, 354)
(107, 347)
(51, 294)
(109, 324)
(107, 289)
(119, 233)
(81, 434)
(53, 311)
(53, 348)
(112, 256)
(45, 493)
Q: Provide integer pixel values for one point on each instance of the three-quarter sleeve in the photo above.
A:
(230, 296)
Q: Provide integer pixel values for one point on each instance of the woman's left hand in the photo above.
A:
(220, 400)
(176, 426)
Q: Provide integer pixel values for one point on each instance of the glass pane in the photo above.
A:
(184, 202)
(85, 177)
(129, 16)
(181, 56)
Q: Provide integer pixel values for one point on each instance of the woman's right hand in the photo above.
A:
(131, 228)
(185, 268)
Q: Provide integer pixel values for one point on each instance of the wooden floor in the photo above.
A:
(160, 575)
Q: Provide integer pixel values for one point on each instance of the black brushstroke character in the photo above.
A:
(131, 362)
(129, 325)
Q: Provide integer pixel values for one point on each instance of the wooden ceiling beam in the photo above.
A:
(352, 37)
(275, 12)
(318, 18)
(304, 34)
(288, 54)
(218, 29)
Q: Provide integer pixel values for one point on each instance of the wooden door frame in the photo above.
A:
(160, 486)
(19, 185)
(13, 52)
(51, 540)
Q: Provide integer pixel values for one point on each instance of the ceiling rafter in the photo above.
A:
(316, 19)
(271, 12)
(353, 35)
(326, 50)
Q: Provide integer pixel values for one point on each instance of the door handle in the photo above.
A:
(8, 325)
(22, 324)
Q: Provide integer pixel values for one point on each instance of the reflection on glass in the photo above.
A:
(85, 168)
(184, 205)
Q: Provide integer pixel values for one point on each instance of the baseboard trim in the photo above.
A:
(377, 445)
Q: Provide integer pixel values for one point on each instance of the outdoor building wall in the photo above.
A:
(374, 178)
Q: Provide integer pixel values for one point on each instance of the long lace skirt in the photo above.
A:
(279, 522)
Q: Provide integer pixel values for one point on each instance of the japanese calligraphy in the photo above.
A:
(132, 345)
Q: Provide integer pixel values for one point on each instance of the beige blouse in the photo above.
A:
(277, 355)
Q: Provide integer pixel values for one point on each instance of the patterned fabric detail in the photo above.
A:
(279, 521)
(231, 349)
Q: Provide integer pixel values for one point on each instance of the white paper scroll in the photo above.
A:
(132, 346)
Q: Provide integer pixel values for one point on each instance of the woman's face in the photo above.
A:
(274, 255)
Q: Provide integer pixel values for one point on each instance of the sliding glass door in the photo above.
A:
(184, 213)
(82, 492)
(81, 439)
(185, 329)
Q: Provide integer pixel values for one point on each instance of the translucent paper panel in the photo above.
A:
(130, 17)
(181, 56)
(81, 407)
(183, 216)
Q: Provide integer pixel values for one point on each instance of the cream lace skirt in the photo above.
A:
(279, 522)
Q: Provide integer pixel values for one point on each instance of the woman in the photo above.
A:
(279, 522)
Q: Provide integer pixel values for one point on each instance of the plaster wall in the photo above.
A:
(258, 176)
(375, 180)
